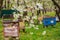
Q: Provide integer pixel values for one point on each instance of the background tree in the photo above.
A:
(1, 2)
(57, 7)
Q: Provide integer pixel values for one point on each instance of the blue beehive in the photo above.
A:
(49, 21)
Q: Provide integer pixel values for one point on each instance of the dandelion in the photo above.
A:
(36, 25)
(40, 22)
(44, 32)
(31, 32)
(36, 28)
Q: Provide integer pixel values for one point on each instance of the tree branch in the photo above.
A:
(55, 3)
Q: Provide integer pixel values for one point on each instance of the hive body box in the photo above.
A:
(9, 30)
(49, 21)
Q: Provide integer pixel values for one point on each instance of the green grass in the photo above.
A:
(50, 13)
(51, 33)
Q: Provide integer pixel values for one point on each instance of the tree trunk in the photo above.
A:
(1, 2)
(55, 3)
(57, 11)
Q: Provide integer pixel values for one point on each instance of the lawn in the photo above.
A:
(36, 34)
